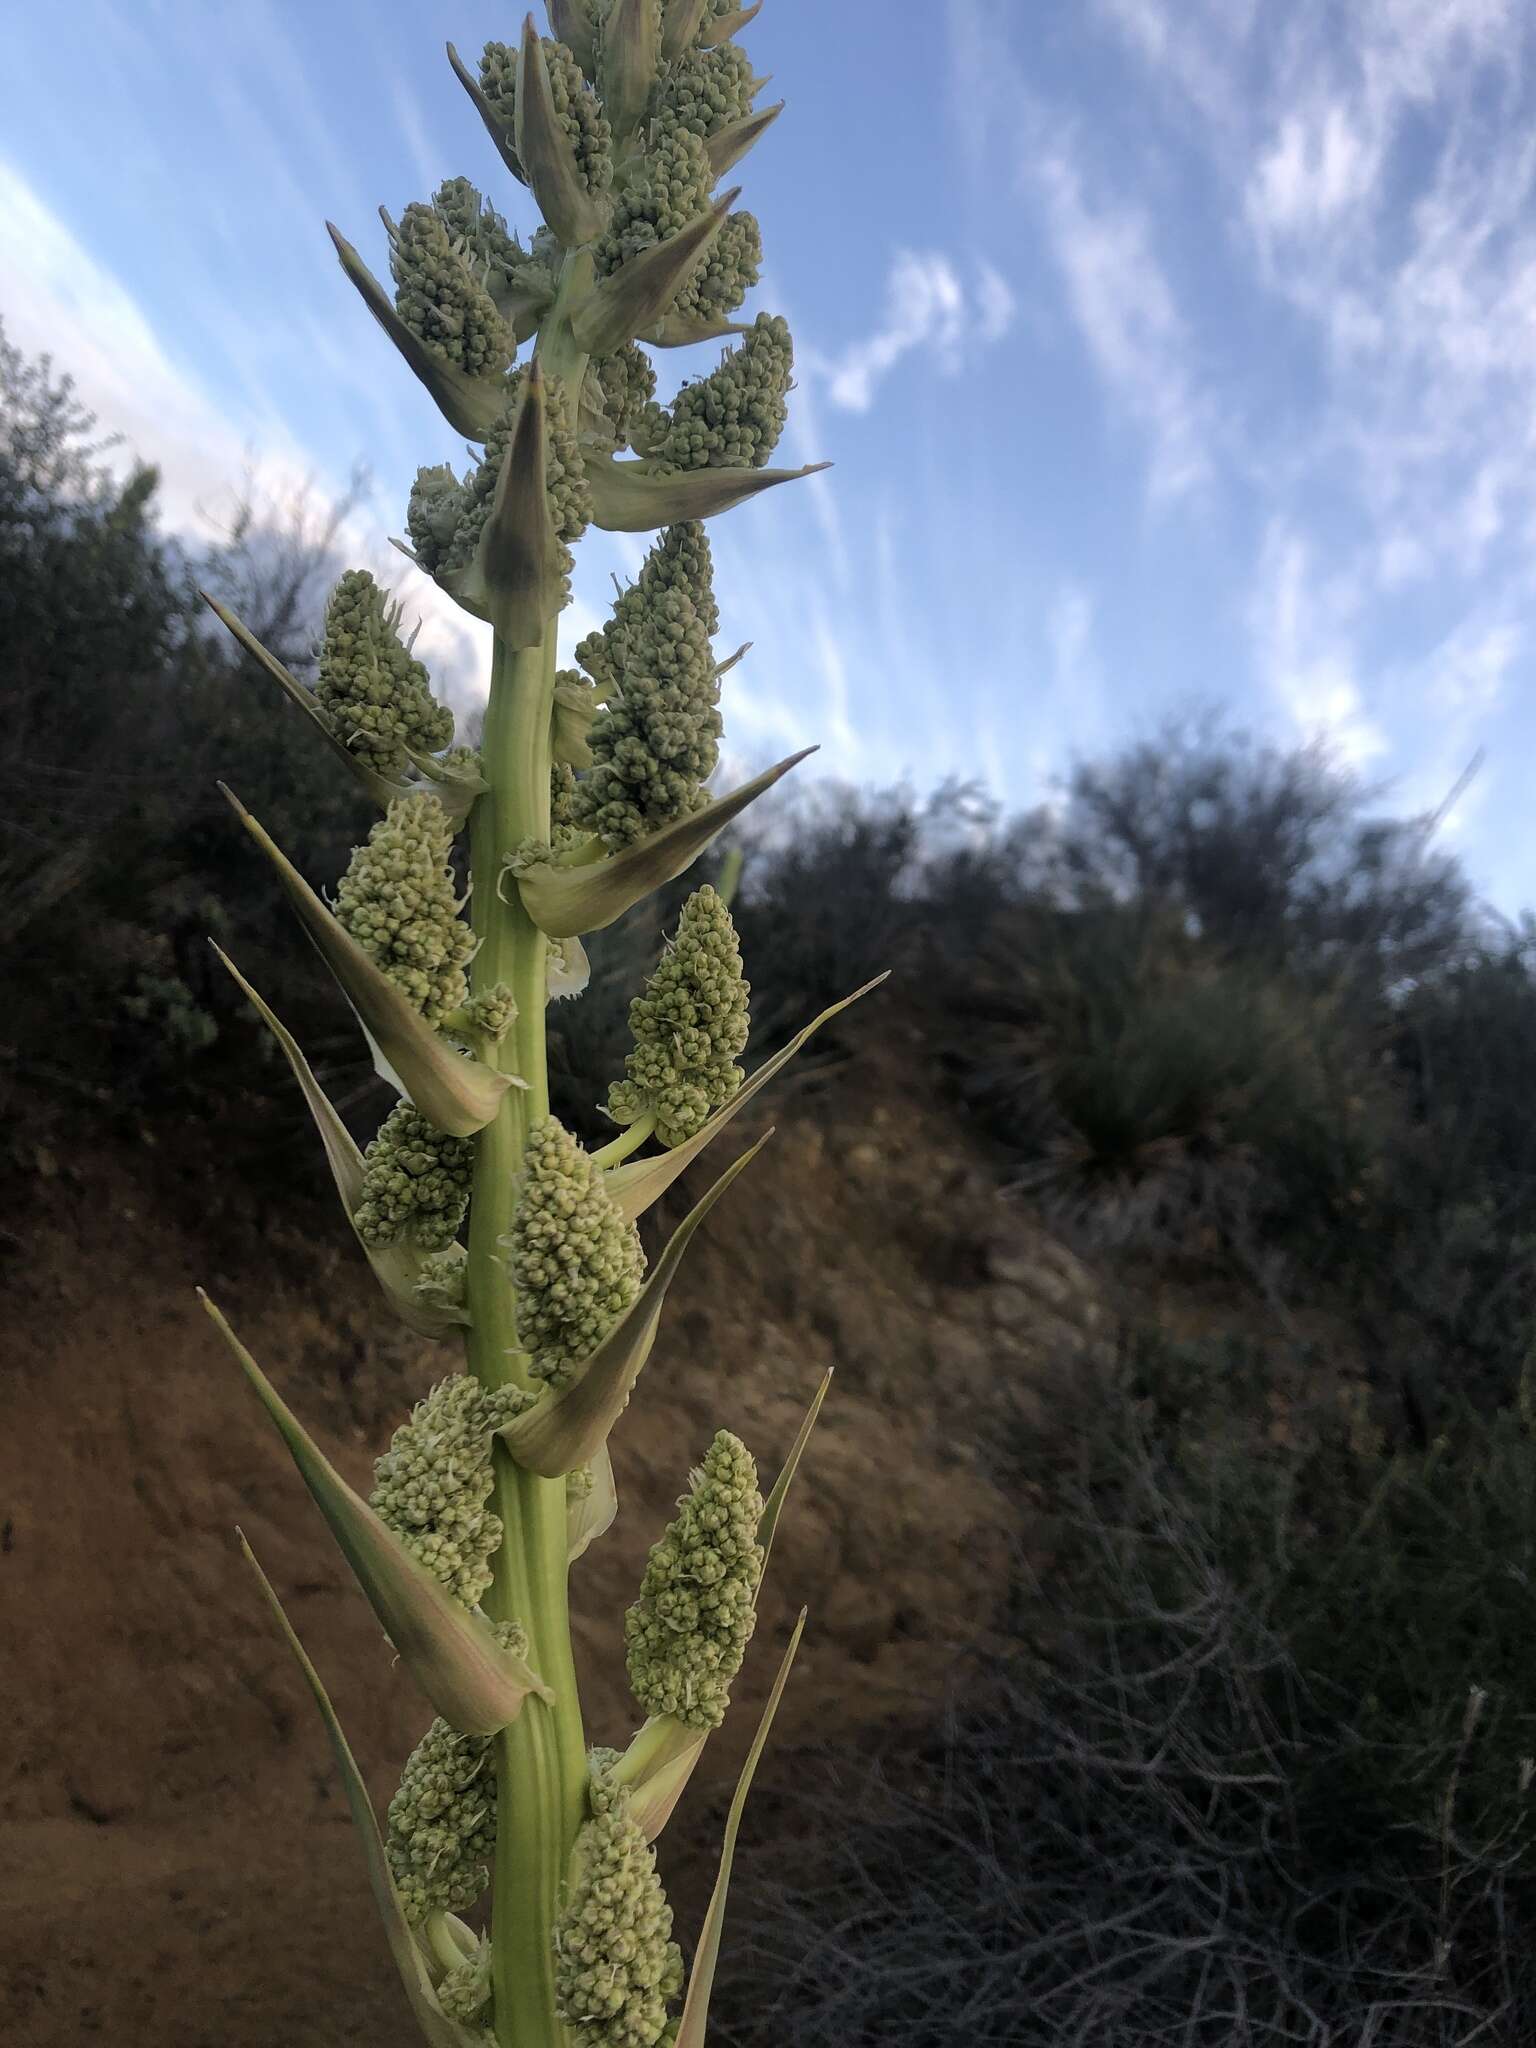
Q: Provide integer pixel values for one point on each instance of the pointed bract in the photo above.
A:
(472, 1682)
(635, 297)
(627, 497)
(469, 404)
(693, 2028)
(544, 149)
(517, 559)
(397, 1268)
(570, 1428)
(680, 27)
(437, 2029)
(495, 127)
(567, 902)
(627, 60)
(727, 146)
(721, 27)
(456, 1094)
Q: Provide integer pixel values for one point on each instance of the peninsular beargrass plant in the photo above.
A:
(491, 1230)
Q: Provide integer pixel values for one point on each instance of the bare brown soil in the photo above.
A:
(178, 1867)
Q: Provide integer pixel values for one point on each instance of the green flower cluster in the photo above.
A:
(440, 298)
(705, 91)
(688, 1632)
(573, 1258)
(490, 1014)
(668, 188)
(627, 383)
(441, 1282)
(466, 1990)
(480, 235)
(731, 419)
(373, 692)
(415, 1183)
(440, 1834)
(616, 1964)
(658, 740)
(577, 108)
(445, 518)
(397, 900)
(688, 1027)
(432, 1484)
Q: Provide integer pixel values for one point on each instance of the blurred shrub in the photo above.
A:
(1266, 1780)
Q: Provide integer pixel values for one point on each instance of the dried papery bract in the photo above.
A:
(528, 311)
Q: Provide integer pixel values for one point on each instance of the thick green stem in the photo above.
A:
(627, 1141)
(541, 1758)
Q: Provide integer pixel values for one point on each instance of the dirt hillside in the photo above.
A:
(179, 1866)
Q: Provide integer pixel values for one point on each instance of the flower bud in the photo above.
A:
(616, 1965)
(397, 900)
(688, 1027)
(375, 695)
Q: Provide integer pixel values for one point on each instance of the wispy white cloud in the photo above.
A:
(928, 309)
(1302, 620)
(1129, 317)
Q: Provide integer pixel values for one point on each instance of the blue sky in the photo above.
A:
(1167, 350)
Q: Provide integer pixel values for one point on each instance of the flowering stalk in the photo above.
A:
(491, 1230)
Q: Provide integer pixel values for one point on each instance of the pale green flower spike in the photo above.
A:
(575, 1263)
(688, 1027)
(731, 419)
(626, 386)
(398, 901)
(659, 738)
(415, 1184)
(688, 1632)
(616, 1964)
(441, 299)
(491, 1230)
(374, 693)
(440, 1835)
(432, 1485)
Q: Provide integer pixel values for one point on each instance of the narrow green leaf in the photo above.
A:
(470, 405)
(693, 2028)
(436, 2027)
(473, 1683)
(728, 145)
(626, 498)
(397, 1268)
(456, 1094)
(566, 902)
(545, 153)
(495, 127)
(638, 1182)
(637, 294)
(724, 26)
(679, 27)
(592, 1515)
(773, 1506)
(570, 1428)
